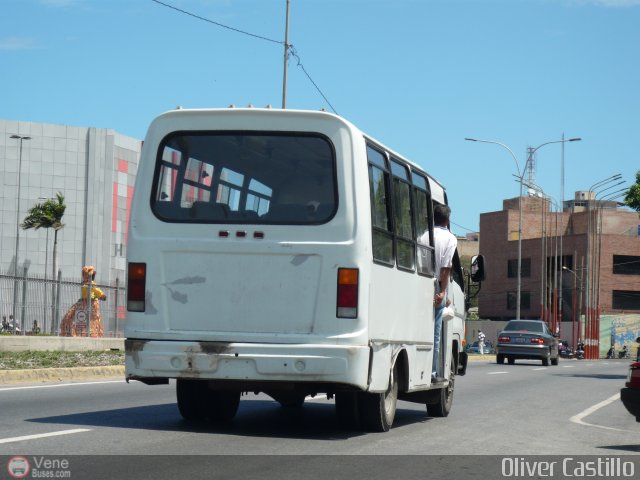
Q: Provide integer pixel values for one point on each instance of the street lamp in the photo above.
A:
(21, 138)
(520, 178)
(592, 333)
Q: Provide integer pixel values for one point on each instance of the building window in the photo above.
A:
(625, 300)
(512, 268)
(512, 300)
(626, 265)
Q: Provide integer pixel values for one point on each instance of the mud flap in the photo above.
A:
(462, 364)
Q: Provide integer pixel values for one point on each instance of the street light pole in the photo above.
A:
(21, 138)
(520, 177)
(590, 316)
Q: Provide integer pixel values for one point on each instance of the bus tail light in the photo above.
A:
(136, 283)
(347, 299)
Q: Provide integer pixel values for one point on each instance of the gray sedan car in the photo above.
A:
(527, 340)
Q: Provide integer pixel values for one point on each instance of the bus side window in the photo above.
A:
(382, 236)
(425, 252)
(403, 216)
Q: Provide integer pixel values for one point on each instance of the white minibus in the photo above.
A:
(283, 252)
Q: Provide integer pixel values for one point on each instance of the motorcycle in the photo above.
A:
(580, 351)
(7, 327)
(624, 353)
(565, 351)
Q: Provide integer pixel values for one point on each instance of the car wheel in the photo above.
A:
(545, 361)
(500, 359)
(554, 361)
(511, 360)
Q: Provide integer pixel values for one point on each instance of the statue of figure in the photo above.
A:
(74, 323)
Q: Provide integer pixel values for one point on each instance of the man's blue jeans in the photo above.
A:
(436, 337)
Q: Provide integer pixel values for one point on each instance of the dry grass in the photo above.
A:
(30, 360)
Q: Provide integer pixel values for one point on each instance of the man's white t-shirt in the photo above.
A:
(445, 247)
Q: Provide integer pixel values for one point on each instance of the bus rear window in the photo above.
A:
(241, 177)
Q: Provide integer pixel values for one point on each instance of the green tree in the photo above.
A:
(48, 215)
(632, 198)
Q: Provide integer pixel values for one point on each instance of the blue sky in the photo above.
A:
(418, 75)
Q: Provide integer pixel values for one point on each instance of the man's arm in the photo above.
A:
(445, 273)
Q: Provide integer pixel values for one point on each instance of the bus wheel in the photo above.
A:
(191, 396)
(377, 410)
(222, 405)
(442, 407)
(347, 409)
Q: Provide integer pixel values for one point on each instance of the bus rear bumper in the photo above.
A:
(246, 362)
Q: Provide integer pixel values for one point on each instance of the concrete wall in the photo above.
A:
(19, 343)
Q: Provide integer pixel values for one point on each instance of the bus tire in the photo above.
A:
(442, 406)
(191, 395)
(222, 405)
(377, 410)
(347, 409)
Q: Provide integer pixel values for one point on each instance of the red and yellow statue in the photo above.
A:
(74, 323)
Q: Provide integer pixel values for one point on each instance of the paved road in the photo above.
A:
(521, 409)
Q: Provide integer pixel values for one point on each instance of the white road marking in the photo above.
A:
(495, 373)
(43, 435)
(568, 366)
(30, 387)
(585, 413)
(539, 368)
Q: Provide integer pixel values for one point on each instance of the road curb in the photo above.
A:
(478, 358)
(60, 374)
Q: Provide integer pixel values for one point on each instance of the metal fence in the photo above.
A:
(32, 298)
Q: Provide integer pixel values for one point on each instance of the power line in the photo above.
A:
(295, 54)
(464, 228)
(237, 30)
(292, 51)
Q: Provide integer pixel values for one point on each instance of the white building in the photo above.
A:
(94, 168)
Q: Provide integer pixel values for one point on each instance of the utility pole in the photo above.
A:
(286, 58)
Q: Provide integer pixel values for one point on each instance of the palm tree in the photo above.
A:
(48, 215)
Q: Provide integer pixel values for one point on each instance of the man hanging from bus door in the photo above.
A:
(445, 244)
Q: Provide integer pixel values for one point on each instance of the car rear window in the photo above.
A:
(245, 177)
(518, 325)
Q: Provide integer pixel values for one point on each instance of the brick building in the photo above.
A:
(596, 242)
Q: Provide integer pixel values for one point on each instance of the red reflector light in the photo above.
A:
(136, 283)
(633, 380)
(504, 339)
(537, 341)
(347, 295)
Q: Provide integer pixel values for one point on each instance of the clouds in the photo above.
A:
(17, 43)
